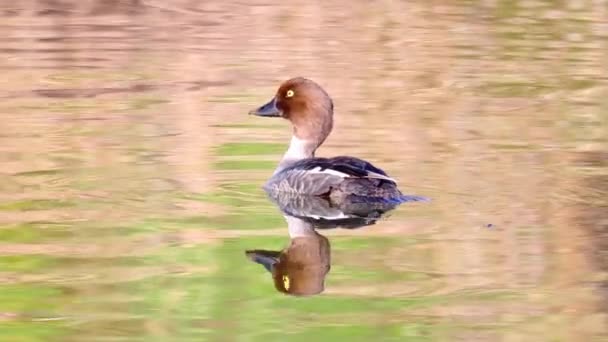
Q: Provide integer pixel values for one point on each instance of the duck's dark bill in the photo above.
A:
(264, 258)
(270, 109)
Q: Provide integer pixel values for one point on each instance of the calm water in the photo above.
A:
(130, 173)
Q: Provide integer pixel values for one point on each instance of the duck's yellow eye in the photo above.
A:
(286, 282)
(289, 93)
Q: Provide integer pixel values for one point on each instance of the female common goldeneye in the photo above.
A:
(310, 110)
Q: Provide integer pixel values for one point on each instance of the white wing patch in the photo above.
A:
(328, 172)
(336, 216)
(332, 172)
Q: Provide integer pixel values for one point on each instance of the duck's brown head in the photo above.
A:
(306, 105)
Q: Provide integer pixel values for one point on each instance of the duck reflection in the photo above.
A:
(300, 268)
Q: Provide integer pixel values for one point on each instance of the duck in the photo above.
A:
(310, 110)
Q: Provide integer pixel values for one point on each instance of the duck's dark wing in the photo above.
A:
(342, 166)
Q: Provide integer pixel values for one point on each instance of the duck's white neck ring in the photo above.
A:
(298, 149)
(299, 228)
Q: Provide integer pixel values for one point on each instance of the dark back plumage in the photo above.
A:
(351, 166)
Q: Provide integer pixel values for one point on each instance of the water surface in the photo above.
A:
(130, 180)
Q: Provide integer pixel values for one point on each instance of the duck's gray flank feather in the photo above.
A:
(302, 182)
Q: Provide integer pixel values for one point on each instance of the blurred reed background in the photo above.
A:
(130, 173)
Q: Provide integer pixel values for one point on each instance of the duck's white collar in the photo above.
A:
(298, 149)
(299, 228)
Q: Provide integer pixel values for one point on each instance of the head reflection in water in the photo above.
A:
(300, 268)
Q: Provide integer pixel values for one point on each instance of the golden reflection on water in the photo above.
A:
(130, 180)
